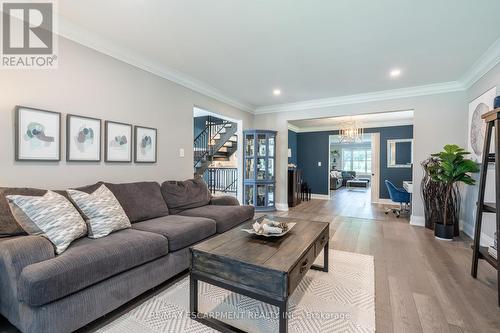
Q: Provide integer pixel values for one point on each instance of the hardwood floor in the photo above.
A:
(421, 284)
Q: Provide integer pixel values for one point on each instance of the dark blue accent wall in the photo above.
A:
(313, 147)
(292, 145)
(199, 125)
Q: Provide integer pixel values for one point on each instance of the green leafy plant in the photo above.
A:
(452, 167)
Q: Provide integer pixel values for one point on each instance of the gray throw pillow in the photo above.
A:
(103, 211)
(183, 195)
(51, 216)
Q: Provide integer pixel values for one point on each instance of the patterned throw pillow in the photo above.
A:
(51, 216)
(103, 211)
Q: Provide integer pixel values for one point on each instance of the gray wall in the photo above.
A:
(488, 81)
(90, 83)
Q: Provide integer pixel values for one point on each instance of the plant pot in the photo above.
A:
(443, 231)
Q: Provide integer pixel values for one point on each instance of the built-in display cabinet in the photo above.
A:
(259, 169)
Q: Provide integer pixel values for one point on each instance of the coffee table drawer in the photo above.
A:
(298, 272)
(320, 242)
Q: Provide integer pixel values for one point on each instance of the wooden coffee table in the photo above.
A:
(265, 269)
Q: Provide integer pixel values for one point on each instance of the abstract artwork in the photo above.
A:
(477, 126)
(38, 135)
(118, 145)
(83, 139)
(145, 145)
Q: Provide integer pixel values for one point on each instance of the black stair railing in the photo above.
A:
(202, 143)
(221, 179)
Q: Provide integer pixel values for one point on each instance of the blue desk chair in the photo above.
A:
(399, 195)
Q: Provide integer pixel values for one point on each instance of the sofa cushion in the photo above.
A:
(86, 262)
(182, 195)
(181, 231)
(226, 217)
(140, 201)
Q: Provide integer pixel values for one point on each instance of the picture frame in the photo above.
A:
(146, 144)
(37, 135)
(83, 138)
(118, 142)
(476, 126)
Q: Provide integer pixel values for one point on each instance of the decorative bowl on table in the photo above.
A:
(269, 228)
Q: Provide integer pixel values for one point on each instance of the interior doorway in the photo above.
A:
(218, 152)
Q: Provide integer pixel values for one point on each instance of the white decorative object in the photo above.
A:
(145, 145)
(477, 126)
(83, 139)
(118, 142)
(270, 228)
(38, 135)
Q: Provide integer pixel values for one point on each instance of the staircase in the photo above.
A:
(217, 142)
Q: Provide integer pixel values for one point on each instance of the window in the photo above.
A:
(357, 159)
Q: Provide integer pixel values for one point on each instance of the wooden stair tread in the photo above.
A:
(490, 207)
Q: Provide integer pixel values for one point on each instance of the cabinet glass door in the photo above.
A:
(249, 168)
(271, 146)
(270, 195)
(261, 145)
(250, 145)
(261, 196)
(270, 168)
(249, 189)
(261, 168)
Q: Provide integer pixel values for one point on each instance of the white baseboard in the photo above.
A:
(282, 207)
(418, 221)
(469, 231)
(320, 196)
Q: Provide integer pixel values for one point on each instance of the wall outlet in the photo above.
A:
(181, 152)
(319, 163)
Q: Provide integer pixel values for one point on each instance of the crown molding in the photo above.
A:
(430, 89)
(96, 42)
(483, 65)
(294, 128)
(363, 124)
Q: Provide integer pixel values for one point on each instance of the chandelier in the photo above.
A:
(350, 132)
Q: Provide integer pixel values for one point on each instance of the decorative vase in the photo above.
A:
(433, 197)
(444, 231)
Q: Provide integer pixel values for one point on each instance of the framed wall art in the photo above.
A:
(477, 126)
(83, 139)
(146, 149)
(118, 142)
(38, 135)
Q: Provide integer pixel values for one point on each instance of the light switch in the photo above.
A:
(319, 163)
(181, 152)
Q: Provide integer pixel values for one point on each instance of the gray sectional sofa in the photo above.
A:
(44, 292)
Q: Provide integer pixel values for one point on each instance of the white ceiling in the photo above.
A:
(385, 119)
(241, 49)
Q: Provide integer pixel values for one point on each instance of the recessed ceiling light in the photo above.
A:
(276, 92)
(395, 72)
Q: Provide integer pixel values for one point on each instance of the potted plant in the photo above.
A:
(451, 169)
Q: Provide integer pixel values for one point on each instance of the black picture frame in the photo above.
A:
(106, 134)
(136, 140)
(17, 156)
(68, 138)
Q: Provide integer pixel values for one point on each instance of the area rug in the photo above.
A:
(342, 300)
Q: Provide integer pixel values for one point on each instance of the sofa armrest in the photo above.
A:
(15, 254)
(225, 200)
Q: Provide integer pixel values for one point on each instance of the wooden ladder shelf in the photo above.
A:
(492, 120)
